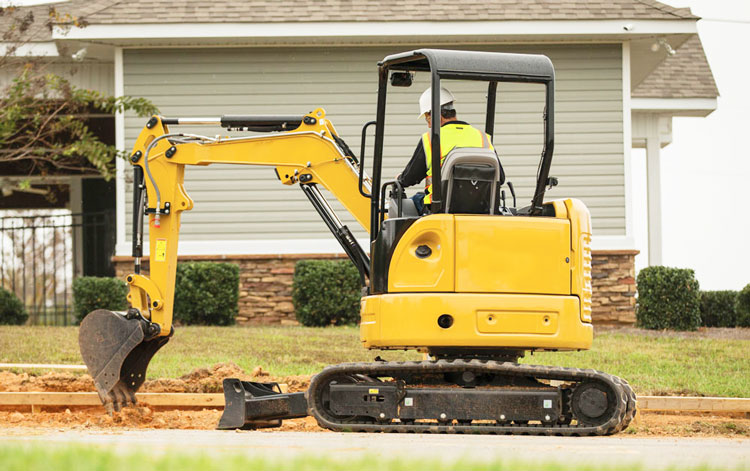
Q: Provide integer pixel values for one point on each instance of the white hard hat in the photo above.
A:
(425, 101)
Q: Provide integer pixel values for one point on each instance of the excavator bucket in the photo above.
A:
(116, 348)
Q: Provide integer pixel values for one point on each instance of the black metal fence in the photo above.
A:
(41, 254)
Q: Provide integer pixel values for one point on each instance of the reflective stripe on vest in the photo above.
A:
(451, 136)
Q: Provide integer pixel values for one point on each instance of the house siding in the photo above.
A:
(97, 76)
(248, 203)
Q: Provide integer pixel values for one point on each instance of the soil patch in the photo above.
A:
(202, 380)
(141, 417)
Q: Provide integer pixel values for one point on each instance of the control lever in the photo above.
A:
(512, 192)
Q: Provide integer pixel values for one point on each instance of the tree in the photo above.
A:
(43, 129)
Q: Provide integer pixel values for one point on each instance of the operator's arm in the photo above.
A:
(416, 169)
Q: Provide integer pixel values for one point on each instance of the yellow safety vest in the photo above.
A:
(451, 136)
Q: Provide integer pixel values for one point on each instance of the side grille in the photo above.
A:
(586, 291)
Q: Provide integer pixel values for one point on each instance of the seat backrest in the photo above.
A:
(470, 179)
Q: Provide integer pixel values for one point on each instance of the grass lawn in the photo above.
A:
(76, 458)
(652, 364)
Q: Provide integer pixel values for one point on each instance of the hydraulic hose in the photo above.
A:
(189, 138)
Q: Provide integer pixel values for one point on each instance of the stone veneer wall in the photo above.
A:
(266, 285)
(613, 273)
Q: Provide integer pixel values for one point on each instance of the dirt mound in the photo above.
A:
(49, 382)
(200, 380)
(209, 380)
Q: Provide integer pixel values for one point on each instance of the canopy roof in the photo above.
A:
(524, 67)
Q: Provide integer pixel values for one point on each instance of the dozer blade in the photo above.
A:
(116, 348)
(249, 405)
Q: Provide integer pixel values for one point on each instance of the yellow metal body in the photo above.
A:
(507, 282)
(409, 321)
(307, 152)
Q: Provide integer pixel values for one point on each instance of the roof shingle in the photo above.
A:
(683, 75)
(265, 11)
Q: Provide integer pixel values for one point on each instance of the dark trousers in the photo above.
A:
(419, 202)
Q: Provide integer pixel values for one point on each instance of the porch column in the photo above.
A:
(652, 131)
(653, 175)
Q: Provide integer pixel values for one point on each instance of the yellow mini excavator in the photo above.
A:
(475, 284)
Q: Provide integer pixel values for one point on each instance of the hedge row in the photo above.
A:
(206, 293)
(719, 308)
(12, 310)
(743, 307)
(726, 308)
(326, 292)
(670, 298)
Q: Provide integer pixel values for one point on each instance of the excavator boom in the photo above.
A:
(304, 150)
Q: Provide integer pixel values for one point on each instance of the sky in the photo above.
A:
(706, 169)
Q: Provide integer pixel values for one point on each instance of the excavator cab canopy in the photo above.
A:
(490, 67)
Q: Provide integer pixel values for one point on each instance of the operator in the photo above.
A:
(453, 133)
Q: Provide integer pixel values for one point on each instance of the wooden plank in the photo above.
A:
(704, 404)
(41, 365)
(92, 399)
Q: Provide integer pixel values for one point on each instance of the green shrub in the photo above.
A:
(719, 308)
(668, 298)
(12, 310)
(206, 293)
(92, 292)
(743, 307)
(326, 292)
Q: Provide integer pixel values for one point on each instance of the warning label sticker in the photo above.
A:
(161, 250)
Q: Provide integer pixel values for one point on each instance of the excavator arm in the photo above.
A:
(304, 150)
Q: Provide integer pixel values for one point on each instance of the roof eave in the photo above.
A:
(375, 32)
(699, 107)
(32, 49)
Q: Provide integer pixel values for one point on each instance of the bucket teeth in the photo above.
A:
(120, 396)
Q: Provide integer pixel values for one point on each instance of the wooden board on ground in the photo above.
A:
(92, 399)
(704, 404)
(41, 366)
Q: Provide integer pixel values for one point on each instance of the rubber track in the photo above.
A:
(622, 415)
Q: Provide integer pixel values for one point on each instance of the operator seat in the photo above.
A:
(471, 177)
